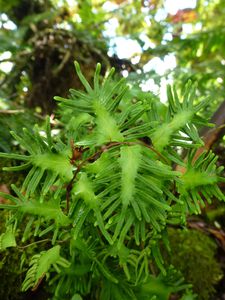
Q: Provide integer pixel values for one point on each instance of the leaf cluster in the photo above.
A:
(106, 194)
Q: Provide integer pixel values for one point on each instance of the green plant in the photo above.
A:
(104, 194)
(186, 249)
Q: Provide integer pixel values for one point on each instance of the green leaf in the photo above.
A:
(40, 265)
(7, 239)
(130, 158)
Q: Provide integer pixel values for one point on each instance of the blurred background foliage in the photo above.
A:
(152, 39)
(152, 43)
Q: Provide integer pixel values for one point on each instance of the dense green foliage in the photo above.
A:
(104, 196)
(94, 190)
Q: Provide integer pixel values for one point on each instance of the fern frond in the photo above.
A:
(102, 101)
(46, 165)
(200, 181)
(85, 191)
(182, 117)
(112, 291)
(7, 239)
(122, 190)
(40, 265)
(162, 286)
(107, 95)
(141, 197)
(50, 210)
(48, 214)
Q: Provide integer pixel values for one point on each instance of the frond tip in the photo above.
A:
(182, 117)
(40, 265)
(200, 181)
(46, 163)
(7, 239)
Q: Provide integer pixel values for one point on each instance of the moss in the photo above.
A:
(11, 277)
(193, 253)
(11, 274)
